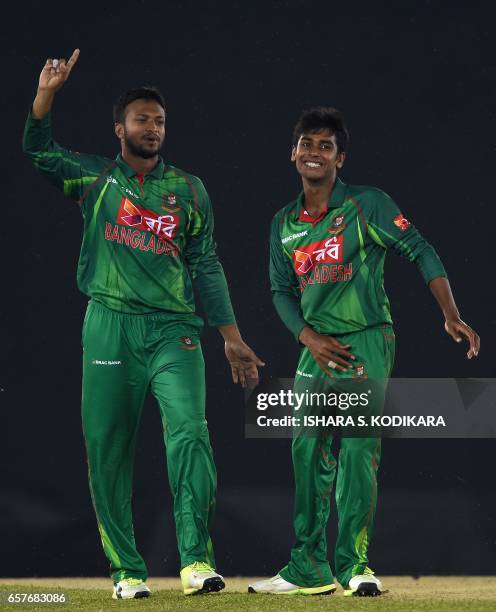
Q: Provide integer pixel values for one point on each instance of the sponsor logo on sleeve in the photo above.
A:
(401, 222)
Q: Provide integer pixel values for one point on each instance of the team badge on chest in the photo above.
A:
(169, 203)
(337, 226)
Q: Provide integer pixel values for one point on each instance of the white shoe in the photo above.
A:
(278, 586)
(364, 585)
(199, 578)
(131, 588)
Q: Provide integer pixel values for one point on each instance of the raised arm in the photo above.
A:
(70, 172)
(53, 76)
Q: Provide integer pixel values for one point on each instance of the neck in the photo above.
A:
(139, 164)
(317, 194)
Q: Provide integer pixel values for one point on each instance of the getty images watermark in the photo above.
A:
(407, 408)
(326, 401)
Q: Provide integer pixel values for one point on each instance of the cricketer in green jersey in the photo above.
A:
(147, 240)
(327, 251)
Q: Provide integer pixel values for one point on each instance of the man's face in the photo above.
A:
(316, 155)
(143, 130)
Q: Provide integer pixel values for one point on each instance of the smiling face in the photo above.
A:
(316, 156)
(143, 130)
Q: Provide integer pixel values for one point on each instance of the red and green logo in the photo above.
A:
(188, 344)
(401, 222)
(325, 251)
(360, 372)
(337, 226)
(169, 203)
(163, 226)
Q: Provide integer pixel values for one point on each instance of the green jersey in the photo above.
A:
(146, 239)
(328, 272)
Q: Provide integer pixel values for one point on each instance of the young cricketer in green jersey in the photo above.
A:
(147, 240)
(327, 251)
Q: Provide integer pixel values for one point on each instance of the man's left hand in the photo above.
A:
(457, 328)
(243, 361)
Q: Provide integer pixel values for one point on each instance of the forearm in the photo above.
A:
(230, 333)
(307, 335)
(441, 290)
(212, 288)
(42, 104)
(289, 310)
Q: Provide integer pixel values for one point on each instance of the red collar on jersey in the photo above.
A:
(306, 217)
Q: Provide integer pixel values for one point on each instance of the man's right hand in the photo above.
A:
(325, 350)
(56, 72)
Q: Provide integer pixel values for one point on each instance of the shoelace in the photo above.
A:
(133, 581)
(201, 567)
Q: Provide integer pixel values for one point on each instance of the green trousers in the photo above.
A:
(355, 472)
(123, 356)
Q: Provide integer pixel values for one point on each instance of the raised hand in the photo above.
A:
(56, 72)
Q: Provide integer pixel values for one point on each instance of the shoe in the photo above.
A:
(130, 588)
(199, 578)
(278, 586)
(364, 585)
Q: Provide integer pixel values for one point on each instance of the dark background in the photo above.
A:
(415, 80)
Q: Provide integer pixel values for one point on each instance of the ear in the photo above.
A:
(293, 153)
(119, 130)
(340, 159)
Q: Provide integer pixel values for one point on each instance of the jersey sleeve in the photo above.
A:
(390, 229)
(283, 282)
(205, 268)
(63, 168)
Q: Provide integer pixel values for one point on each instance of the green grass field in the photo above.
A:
(404, 593)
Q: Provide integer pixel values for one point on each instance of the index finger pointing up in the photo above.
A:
(73, 59)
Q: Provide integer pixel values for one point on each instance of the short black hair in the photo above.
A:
(140, 93)
(323, 117)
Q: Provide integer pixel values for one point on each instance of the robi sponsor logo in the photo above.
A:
(325, 251)
(144, 230)
(163, 226)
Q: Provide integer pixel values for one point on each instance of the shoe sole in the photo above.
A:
(364, 589)
(138, 595)
(211, 585)
(312, 592)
